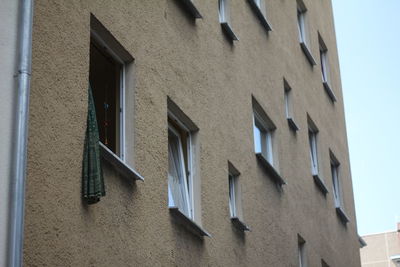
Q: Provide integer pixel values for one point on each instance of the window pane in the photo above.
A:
(177, 183)
(257, 139)
(313, 152)
(335, 182)
(104, 78)
(232, 196)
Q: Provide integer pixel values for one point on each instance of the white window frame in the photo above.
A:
(337, 192)
(233, 198)
(301, 23)
(312, 136)
(114, 55)
(301, 250)
(313, 146)
(324, 64)
(267, 149)
(188, 180)
(223, 8)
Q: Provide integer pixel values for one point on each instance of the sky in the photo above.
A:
(368, 37)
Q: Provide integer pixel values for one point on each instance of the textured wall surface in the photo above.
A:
(8, 51)
(212, 81)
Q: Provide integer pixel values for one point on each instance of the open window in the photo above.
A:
(259, 9)
(337, 190)
(289, 106)
(235, 200)
(224, 18)
(183, 170)
(109, 64)
(314, 155)
(265, 143)
(324, 60)
(303, 31)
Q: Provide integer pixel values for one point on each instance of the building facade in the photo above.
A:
(383, 249)
(215, 151)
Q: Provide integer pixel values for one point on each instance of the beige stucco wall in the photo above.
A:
(212, 81)
(8, 44)
(380, 247)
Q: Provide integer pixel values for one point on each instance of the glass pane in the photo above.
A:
(257, 139)
(178, 190)
(232, 197)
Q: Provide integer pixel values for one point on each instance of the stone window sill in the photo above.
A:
(260, 15)
(229, 31)
(292, 124)
(308, 54)
(192, 9)
(120, 166)
(188, 223)
(239, 224)
(321, 184)
(342, 215)
(271, 169)
(329, 91)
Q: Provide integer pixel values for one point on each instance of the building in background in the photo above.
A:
(215, 151)
(382, 249)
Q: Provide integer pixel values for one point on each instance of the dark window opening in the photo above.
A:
(105, 80)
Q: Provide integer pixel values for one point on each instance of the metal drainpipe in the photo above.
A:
(19, 157)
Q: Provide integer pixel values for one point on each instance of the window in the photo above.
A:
(179, 168)
(263, 139)
(224, 19)
(303, 31)
(259, 9)
(106, 79)
(312, 138)
(109, 66)
(288, 106)
(314, 156)
(183, 170)
(192, 9)
(301, 246)
(264, 147)
(235, 201)
(337, 191)
(323, 54)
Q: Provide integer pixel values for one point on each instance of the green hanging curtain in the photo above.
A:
(92, 174)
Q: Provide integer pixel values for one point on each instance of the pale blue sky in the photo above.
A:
(368, 36)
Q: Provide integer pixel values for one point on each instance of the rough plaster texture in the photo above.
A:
(212, 81)
(8, 44)
(379, 249)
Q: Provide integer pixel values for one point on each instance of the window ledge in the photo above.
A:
(342, 215)
(192, 9)
(292, 124)
(239, 224)
(329, 91)
(321, 184)
(272, 171)
(189, 223)
(362, 242)
(229, 31)
(118, 164)
(308, 54)
(260, 15)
